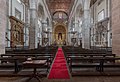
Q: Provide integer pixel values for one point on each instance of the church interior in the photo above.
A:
(59, 41)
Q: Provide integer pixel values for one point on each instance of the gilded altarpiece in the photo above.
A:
(60, 34)
(17, 35)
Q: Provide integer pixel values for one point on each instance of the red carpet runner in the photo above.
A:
(59, 68)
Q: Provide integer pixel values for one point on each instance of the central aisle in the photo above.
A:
(59, 68)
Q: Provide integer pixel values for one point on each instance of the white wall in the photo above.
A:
(3, 22)
(104, 5)
(99, 8)
(14, 4)
(19, 7)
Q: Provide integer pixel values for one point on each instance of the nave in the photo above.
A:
(59, 40)
(64, 63)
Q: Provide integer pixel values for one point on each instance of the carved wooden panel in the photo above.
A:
(17, 36)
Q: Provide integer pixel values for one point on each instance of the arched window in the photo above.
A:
(60, 16)
(19, 1)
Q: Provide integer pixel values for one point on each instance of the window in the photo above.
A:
(101, 15)
(17, 14)
(19, 1)
(60, 16)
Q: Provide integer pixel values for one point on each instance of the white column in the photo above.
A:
(86, 30)
(3, 23)
(33, 25)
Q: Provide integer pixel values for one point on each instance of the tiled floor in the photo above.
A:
(73, 79)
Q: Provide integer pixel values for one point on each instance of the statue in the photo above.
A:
(60, 36)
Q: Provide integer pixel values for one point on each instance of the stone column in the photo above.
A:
(86, 30)
(33, 25)
(3, 23)
(116, 27)
(26, 27)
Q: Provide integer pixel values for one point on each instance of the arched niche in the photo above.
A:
(41, 13)
(59, 34)
(79, 10)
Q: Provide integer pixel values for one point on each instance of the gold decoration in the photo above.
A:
(16, 32)
(60, 34)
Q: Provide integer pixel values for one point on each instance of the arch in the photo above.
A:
(79, 10)
(60, 34)
(56, 15)
(60, 11)
(58, 24)
(41, 13)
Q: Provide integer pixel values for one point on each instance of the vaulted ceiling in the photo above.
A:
(60, 5)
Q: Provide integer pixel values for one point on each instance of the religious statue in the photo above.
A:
(60, 36)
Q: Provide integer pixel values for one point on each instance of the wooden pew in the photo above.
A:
(41, 50)
(14, 58)
(14, 65)
(102, 62)
(73, 50)
(49, 56)
(17, 65)
(89, 55)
